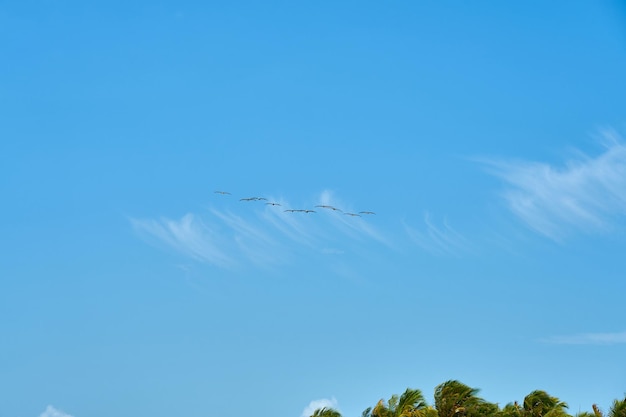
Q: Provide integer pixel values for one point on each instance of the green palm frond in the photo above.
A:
(326, 412)
(411, 399)
(539, 403)
(618, 409)
(511, 410)
(596, 411)
(455, 399)
(410, 404)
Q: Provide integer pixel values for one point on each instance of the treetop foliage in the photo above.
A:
(455, 399)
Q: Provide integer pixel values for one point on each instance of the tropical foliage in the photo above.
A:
(618, 409)
(326, 412)
(455, 399)
(410, 404)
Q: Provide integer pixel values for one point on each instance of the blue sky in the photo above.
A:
(488, 138)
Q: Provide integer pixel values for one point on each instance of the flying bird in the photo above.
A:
(367, 212)
(272, 204)
(222, 192)
(328, 207)
(253, 199)
(310, 211)
(352, 214)
(250, 199)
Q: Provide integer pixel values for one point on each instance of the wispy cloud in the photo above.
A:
(260, 234)
(189, 235)
(253, 241)
(438, 240)
(295, 227)
(588, 339)
(585, 193)
(53, 412)
(317, 404)
(357, 228)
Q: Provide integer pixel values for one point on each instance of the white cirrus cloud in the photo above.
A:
(53, 412)
(356, 227)
(260, 234)
(585, 193)
(440, 239)
(588, 339)
(189, 235)
(317, 404)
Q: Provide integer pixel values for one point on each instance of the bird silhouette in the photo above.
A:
(328, 207)
(272, 204)
(352, 214)
(222, 192)
(367, 212)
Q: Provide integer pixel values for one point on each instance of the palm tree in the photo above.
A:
(596, 411)
(539, 404)
(326, 412)
(485, 409)
(511, 410)
(410, 404)
(455, 399)
(618, 409)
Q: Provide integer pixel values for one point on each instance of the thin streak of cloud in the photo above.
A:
(243, 228)
(588, 339)
(363, 229)
(317, 404)
(584, 194)
(357, 228)
(291, 225)
(53, 412)
(264, 235)
(438, 240)
(189, 235)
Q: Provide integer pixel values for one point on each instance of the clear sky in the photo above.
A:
(488, 138)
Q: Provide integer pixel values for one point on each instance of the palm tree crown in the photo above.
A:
(410, 404)
(326, 412)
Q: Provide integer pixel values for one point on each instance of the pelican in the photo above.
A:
(352, 214)
(328, 207)
(222, 192)
(367, 212)
(272, 204)
(248, 199)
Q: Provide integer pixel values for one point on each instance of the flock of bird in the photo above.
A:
(322, 206)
